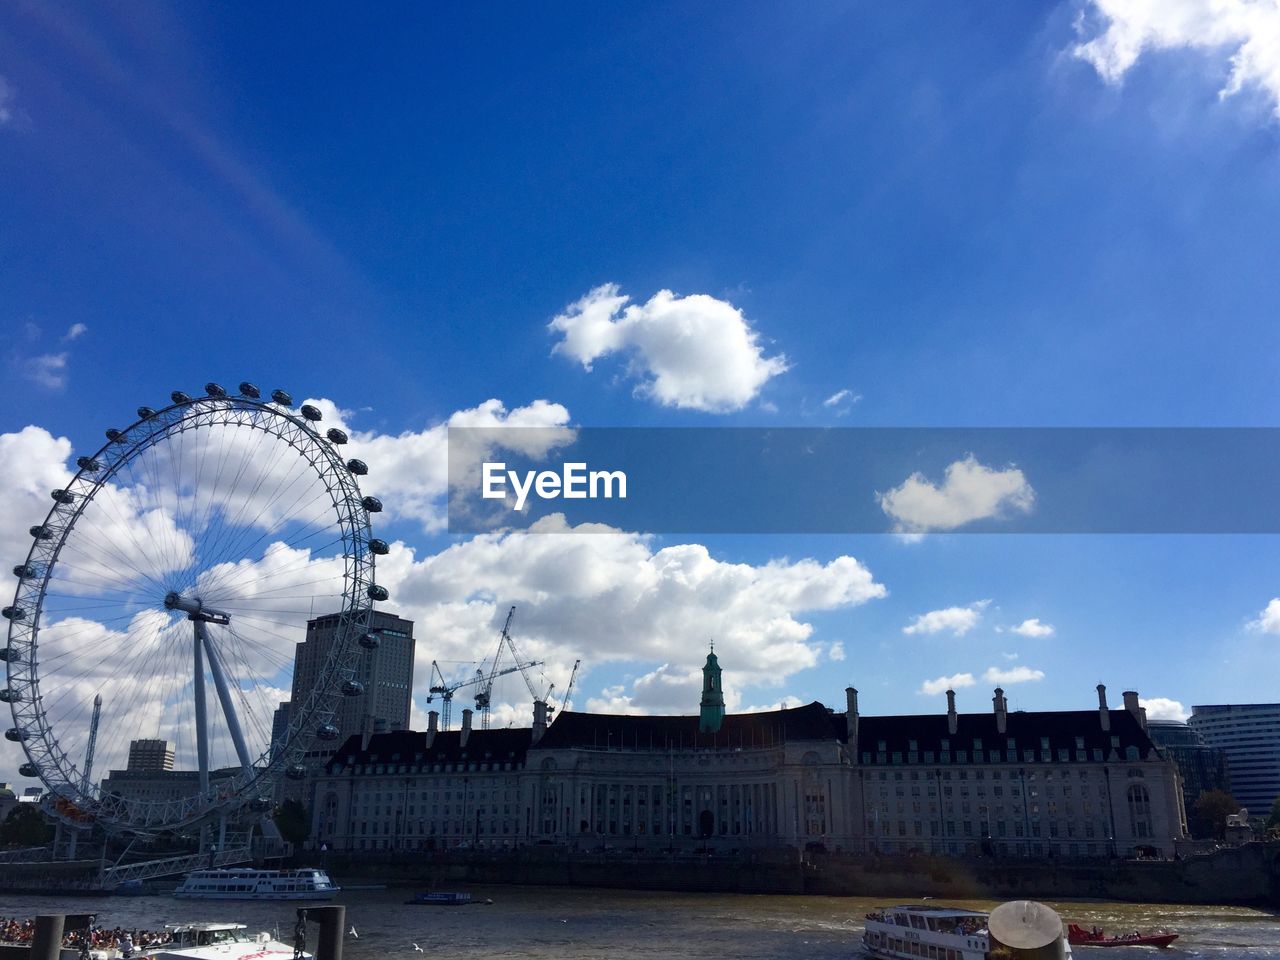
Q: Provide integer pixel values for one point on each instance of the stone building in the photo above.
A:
(1064, 784)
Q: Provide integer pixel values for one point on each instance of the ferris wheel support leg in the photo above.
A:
(202, 713)
(224, 696)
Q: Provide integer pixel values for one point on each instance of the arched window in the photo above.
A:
(1139, 811)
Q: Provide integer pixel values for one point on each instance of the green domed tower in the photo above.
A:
(712, 713)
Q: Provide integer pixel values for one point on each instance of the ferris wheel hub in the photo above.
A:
(195, 609)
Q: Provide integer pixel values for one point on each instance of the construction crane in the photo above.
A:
(568, 691)
(484, 696)
(445, 690)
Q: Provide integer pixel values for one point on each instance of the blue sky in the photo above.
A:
(955, 214)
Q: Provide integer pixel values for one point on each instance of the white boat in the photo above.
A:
(929, 931)
(209, 941)
(231, 884)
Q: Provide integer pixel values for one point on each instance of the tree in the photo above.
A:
(1273, 821)
(293, 820)
(1209, 817)
(25, 826)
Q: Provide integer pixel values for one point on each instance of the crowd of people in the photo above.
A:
(127, 943)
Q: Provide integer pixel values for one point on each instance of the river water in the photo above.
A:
(555, 923)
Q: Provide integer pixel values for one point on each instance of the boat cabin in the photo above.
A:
(207, 934)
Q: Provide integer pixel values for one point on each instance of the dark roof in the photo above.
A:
(815, 722)
(408, 746)
(1026, 729)
(810, 722)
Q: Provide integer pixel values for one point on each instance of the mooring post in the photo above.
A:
(332, 921)
(47, 942)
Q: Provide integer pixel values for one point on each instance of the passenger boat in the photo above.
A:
(926, 930)
(223, 941)
(443, 898)
(232, 884)
(1097, 937)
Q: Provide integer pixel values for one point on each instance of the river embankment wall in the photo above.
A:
(1249, 874)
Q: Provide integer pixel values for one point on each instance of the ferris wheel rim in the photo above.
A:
(77, 800)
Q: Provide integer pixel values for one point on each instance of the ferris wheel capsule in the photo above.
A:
(145, 413)
(282, 397)
(4, 654)
(327, 732)
(336, 436)
(114, 435)
(370, 641)
(10, 696)
(29, 770)
(311, 413)
(14, 613)
(63, 496)
(378, 547)
(41, 533)
(215, 390)
(14, 735)
(24, 571)
(88, 464)
(378, 593)
(358, 467)
(296, 772)
(247, 389)
(372, 504)
(179, 397)
(352, 688)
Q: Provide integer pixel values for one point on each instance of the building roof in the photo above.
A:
(1062, 728)
(1065, 730)
(813, 721)
(408, 746)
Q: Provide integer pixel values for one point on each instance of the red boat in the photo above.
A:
(1078, 936)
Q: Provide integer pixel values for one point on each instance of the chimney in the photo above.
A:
(1104, 715)
(851, 717)
(1002, 711)
(433, 727)
(466, 728)
(1131, 704)
(539, 719)
(953, 721)
(366, 731)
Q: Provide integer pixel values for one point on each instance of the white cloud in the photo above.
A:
(411, 471)
(957, 620)
(842, 401)
(1012, 675)
(1162, 708)
(47, 370)
(1269, 619)
(1033, 628)
(942, 684)
(836, 652)
(1238, 37)
(971, 491)
(611, 597)
(74, 332)
(693, 352)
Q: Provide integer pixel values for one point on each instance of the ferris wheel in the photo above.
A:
(161, 603)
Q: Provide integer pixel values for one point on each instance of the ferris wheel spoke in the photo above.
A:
(214, 552)
(255, 521)
(149, 548)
